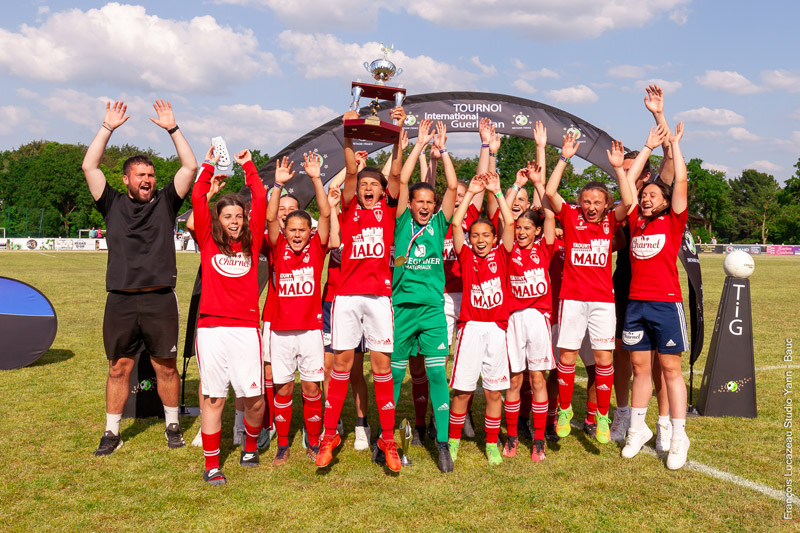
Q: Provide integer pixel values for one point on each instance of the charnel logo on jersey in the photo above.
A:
(487, 295)
(647, 246)
(231, 266)
(298, 282)
(368, 244)
(594, 254)
(530, 285)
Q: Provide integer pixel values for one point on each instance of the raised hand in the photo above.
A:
(242, 157)
(399, 114)
(283, 171)
(210, 157)
(522, 176)
(350, 115)
(535, 173)
(678, 133)
(656, 136)
(217, 183)
(492, 182)
(494, 141)
(540, 134)
(166, 118)
(440, 139)
(570, 146)
(361, 159)
(485, 129)
(616, 156)
(115, 116)
(477, 184)
(403, 139)
(654, 101)
(334, 197)
(425, 132)
(311, 165)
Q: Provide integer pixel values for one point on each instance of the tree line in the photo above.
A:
(43, 191)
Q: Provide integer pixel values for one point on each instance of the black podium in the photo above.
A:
(143, 400)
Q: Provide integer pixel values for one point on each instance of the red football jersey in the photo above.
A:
(556, 273)
(452, 270)
(587, 265)
(654, 251)
(334, 271)
(485, 293)
(297, 279)
(230, 283)
(528, 280)
(368, 237)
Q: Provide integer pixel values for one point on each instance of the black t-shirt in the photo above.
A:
(141, 245)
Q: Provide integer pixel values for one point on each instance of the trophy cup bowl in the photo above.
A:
(382, 70)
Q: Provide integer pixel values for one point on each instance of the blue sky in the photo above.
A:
(263, 72)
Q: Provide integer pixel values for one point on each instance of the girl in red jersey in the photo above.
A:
(481, 349)
(297, 256)
(587, 293)
(654, 319)
(529, 342)
(228, 338)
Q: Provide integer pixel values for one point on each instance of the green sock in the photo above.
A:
(399, 365)
(440, 394)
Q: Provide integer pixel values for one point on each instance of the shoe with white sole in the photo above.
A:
(221, 149)
(198, 439)
(620, 426)
(363, 435)
(635, 441)
(678, 450)
(663, 438)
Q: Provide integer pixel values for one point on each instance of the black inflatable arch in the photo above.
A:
(460, 111)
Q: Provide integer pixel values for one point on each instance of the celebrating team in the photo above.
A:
(407, 271)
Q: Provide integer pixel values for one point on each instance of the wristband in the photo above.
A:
(492, 154)
(484, 146)
(648, 147)
(277, 185)
(208, 162)
(515, 187)
(173, 130)
(106, 126)
(443, 151)
(565, 159)
(498, 194)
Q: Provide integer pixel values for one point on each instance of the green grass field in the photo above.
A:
(52, 416)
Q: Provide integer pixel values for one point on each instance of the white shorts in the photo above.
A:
(481, 351)
(586, 353)
(359, 315)
(452, 307)
(297, 350)
(575, 317)
(265, 351)
(529, 342)
(230, 355)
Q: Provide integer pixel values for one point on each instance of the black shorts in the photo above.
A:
(136, 320)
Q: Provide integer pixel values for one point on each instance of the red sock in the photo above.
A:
(456, 424)
(512, 416)
(384, 400)
(419, 390)
(312, 413)
(211, 449)
(251, 437)
(337, 391)
(526, 395)
(269, 398)
(604, 379)
(566, 382)
(552, 408)
(283, 418)
(492, 426)
(540, 416)
(591, 409)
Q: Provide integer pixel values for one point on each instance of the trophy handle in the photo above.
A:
(399, 71)
(366, 67)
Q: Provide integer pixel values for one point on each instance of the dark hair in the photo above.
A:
(597, 186)
(136, 160)
(535, 215)
(484, 220)
(420, 185)
(299, 213)
(291, 197)
(633, 155)
(372, 172)
(221, 238)
(666, 192)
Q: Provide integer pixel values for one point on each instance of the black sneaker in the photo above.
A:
(468, 431)
(378, 455)
(445, 462)
(108, 443)
(550, 433)
(249, 459)
(590, 429)
(524, 429)
(174, 436)
(281, 456)
(432, 429)
(418, 437)
(214, 477)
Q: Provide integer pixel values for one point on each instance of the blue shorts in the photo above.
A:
(657, 326)
(326, 330)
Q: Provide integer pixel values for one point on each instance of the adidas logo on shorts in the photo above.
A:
(670, 343)
(421, 399)
(603, 387)
(174, 349)
(443, 407)
(314, 418)
(280, 418)
(388, 407)
(442, 346)
(254, 386)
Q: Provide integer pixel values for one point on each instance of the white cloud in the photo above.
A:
(487, 70)
(741, 134)
(524, 87)
(680, 16)
(12, 118)
(124, 45)
(729, 82)
(325, 56)
(764, 166)
(785, 80)
(626, 71)
(711, 117)
(668, 86)
(725, 169)
(314, 15)
(42, 10)
(538, 74)
(580, 94)
(518, 64)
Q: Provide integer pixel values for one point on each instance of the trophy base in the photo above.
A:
(380, 91)
(363, 128)
(405, 460)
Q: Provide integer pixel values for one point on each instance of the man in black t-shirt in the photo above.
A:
(141, 308)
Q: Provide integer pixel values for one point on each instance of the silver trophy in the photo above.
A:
(406, 435)
(383, 69)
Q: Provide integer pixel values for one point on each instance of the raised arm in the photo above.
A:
(536, 177)
(476, 186)
(393, 178)
(114, 118)
(679, 187)
(540, 137)
(568, 149)
(283, 173)
(430, 175)
(350, 165)
(616, 156)
(654, 102)
(217, 183)
(449, 198)
(424, 137)
(311, 166)
(334, 197)
(200, 198)
(654, 138)
(258, 195)
(493, 186)
(185, 176)
(494, 147)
